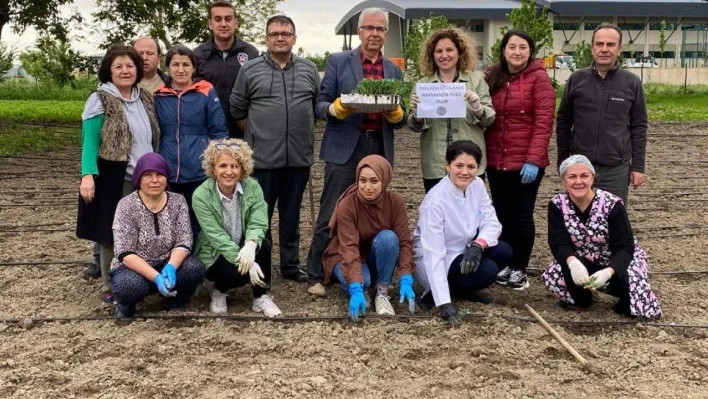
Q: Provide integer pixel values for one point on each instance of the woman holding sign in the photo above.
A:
(449, 56)
(517, 146)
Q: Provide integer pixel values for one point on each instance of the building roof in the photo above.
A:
(497, 9)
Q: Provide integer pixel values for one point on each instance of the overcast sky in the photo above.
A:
(315, 21)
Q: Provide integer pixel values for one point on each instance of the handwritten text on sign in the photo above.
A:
(441, 100)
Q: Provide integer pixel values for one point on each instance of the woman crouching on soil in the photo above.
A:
(119, 126)
(594, 248)
(456, 242)
(370, 240)
(234, 218)
(153, 241)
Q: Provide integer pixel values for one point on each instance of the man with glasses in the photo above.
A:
(349, 136)
(220, 58)
(273, 102)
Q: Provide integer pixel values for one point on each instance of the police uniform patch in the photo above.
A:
(242, 58)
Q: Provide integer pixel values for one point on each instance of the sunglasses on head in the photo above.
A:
(222, 146)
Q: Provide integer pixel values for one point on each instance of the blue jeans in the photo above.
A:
(493, 259)
(383, 258)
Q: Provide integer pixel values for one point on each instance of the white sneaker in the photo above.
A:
(383, 305)
(218, 301)
(265, 305)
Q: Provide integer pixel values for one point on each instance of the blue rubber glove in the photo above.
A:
(161, 283)
(528, 173)
(406, 291)
(170, 273)
(357, 303)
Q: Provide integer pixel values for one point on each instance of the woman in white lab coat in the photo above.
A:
(456, 242)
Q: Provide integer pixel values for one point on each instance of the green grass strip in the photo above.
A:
(41, 111)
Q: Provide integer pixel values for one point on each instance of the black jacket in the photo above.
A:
(603, 119)
(222, 73)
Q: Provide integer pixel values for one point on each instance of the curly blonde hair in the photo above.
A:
(466, 47)
(237, 148)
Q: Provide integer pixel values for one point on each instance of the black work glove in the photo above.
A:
(471, 258)
(450, 315)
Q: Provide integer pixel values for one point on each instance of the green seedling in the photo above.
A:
(385, 87)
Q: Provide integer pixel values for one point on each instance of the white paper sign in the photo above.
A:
(441, 100)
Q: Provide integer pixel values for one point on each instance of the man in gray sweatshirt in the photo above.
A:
(603, 116)
(273, 101)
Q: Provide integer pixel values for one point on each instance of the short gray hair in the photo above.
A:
(368, 11)
(575, 160)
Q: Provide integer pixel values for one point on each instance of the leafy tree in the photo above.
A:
(174, 21)
(527, 18)
(418, 32)
(319, 60)
(44, 15)
(662, 40)
(53, 61)
(6, 56)
(582, 57)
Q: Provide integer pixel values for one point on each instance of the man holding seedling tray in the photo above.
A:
(349, 135)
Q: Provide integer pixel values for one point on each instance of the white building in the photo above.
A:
(573, 22)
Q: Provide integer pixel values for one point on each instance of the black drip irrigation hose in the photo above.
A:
(674, 273)
(307, 319)
(84, 262)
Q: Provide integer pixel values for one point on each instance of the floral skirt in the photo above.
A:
(643, 301)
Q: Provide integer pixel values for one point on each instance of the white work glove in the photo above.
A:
(599, 279)
(578, 272)
(246, 257)
(257, 276)
(473, 99)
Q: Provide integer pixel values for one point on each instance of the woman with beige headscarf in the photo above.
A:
(370, 239)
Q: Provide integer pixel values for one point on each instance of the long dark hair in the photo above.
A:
(499, 73)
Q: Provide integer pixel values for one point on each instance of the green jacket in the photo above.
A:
(433, 132)
(214, 240)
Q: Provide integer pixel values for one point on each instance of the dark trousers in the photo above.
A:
(336, 180)
(493, 259)
(514, 203)
(130, 287)
(614, 179)
(428, 184)
(187, 190)
(225, 275)
(618, 286)
(286, 187)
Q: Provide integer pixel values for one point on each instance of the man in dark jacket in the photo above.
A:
(221, 57)
(273, 101)
(349, 136)
(604, 117)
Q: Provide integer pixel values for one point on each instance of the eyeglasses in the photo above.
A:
(284, 35)
(371, 28)
(223, 146)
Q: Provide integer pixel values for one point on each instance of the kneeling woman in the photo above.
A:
(456, 243)
(153, 241)
(369, 239)
(233, 216)
(594, 248)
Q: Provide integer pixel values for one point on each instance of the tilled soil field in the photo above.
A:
(491, 355)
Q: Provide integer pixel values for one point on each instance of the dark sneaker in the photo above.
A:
(124, 312)
(93, 271)
(109, 299)
(503, 276)
(571, 308)
(426, 302)
(518, 281)
(299, 277)
(479, 297)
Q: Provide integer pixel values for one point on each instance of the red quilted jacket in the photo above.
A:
(524, 121)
